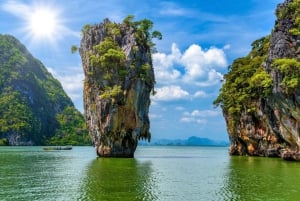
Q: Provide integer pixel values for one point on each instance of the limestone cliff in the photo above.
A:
(261, 96)
(118, 81)
(34, 108)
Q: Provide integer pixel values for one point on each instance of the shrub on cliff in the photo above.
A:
(246, 81)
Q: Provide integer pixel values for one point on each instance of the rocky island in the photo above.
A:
(34, 108)
(119, 78)
(260, 98)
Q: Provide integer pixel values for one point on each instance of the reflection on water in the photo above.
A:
(118, 179)
(157, 173)
(256, 178)
(29, 173)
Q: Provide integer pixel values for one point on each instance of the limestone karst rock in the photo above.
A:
(119, 78)
(34, 108)
(261, 96)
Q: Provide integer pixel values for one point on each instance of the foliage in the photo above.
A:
(144, 72)
(111, 92)
(30, 98)
(74, 49)
(246, 81)
(108, 58)
(291, 12)
(290, 71)
(3, 142)
(113, 30)
(108, 61)
(72, 129)
(85, 28)
(143, 30)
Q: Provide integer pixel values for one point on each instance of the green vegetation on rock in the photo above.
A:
(290, 71)
(31, 100)
(246, 81)
(108, 60)
(291, 12)
(72, 129)
(119, 78)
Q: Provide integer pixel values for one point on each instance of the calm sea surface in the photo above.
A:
(156, 173)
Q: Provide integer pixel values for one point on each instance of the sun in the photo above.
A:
(43, 23)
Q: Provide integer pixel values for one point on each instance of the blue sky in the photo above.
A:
(200, 39)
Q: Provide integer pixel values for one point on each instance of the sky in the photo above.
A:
(201, 38)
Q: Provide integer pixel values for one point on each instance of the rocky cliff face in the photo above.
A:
(33, 104)
(268, 122)
(118, 81)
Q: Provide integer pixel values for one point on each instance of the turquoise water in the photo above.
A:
(156, 173)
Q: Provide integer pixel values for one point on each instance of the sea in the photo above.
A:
(165, 173)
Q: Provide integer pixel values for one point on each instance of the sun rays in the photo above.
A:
(42, 23)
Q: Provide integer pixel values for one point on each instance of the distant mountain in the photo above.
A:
(34, 109)
(191, 141)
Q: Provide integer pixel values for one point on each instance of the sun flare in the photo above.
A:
(43, 23)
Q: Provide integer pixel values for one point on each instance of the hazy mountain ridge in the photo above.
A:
(191, 141)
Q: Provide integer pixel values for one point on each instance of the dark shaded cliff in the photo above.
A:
(260, 98)
(118, 81)
(33, 105)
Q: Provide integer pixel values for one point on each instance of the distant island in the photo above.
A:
(191, 141)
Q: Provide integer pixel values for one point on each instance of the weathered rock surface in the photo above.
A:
(33, 105)
(117, 122)
(274, 128)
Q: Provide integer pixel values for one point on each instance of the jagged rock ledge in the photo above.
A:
(290, 155)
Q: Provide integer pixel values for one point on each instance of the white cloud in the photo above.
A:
(194, 67)
(164, 66)
(16, 8)
(227, 47)
(200, 63)
(179, 108)
(155, 116)
(203, 113)
(198, 116)
(200, 94)
(71, 80)
(169, 93)
(171, 9)
(193, 120)
(213, 78)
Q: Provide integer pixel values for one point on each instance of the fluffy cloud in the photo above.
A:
(168, 93)
(200, 63)
(165, 72)
(194, 66)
